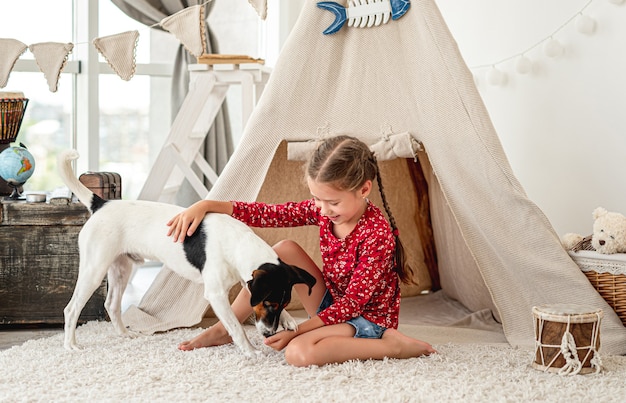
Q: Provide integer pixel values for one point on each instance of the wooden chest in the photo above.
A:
(39, 263)
(107, 185)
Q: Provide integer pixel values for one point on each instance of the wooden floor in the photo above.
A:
(134, 292)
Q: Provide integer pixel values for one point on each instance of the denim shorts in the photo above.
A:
(364, 328)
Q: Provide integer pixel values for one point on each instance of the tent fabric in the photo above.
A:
(391, 146)
(408, 75)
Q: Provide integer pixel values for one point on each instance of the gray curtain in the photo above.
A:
(218, 144)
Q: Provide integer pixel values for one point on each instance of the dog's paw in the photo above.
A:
(73, 347)
(287, 321)
(131, 334)
(250, 352)
(127, 332)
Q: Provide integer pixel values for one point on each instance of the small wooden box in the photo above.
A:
(39, 263)
(107, 185)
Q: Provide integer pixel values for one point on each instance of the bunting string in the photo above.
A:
(119, 50)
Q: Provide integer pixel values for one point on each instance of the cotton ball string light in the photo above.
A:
(523, 65)
(552, 48)
(585, 24)
(496, 77)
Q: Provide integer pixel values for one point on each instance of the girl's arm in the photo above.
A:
(289, 214)
(185, 223)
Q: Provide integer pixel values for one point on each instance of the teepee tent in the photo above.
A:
(463, 216)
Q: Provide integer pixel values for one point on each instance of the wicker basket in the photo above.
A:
(607, 273)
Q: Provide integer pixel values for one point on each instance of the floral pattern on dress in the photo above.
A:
(357, 270)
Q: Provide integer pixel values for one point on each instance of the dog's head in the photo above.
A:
(270, 290)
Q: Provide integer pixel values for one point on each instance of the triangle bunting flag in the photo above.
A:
(11, 49)
(189, 28)
(119, 52)
(260, 6)
(51, 58)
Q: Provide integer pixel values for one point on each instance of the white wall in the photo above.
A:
(563, 125)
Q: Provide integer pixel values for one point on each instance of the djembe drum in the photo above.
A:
(567, 339)
(12, 108)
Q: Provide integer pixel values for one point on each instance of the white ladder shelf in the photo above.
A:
(181, 151)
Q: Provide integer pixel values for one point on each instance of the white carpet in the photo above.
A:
(150, 368)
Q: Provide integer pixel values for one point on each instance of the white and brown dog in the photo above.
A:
(222, 252)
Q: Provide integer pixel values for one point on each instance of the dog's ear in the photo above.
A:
(251, 281)
(257, 295)
(299, 276)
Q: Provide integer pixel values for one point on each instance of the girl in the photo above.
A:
(354, 305)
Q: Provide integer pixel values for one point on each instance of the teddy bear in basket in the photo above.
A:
(609, 234)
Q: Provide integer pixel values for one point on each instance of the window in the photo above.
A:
(133, 116)
(117, 125)
(47, 123)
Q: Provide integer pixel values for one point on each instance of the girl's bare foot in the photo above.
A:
(213, 336)
(408, 347)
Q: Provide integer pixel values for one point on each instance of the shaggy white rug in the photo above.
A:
(150, 368)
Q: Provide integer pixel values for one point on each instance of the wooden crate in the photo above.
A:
(107, 185)
(39, 263)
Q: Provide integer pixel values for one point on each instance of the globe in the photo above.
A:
(16, 165)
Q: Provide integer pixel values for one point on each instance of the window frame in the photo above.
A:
(85, 68)
(86, 72)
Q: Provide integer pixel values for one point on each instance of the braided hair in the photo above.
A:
(348, 163)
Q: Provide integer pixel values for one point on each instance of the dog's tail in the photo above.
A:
(86, 196)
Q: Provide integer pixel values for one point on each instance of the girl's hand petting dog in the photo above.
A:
(187, 222)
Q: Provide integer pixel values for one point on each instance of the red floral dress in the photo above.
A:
(357, 270)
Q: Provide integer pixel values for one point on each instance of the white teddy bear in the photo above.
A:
(609, 234)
